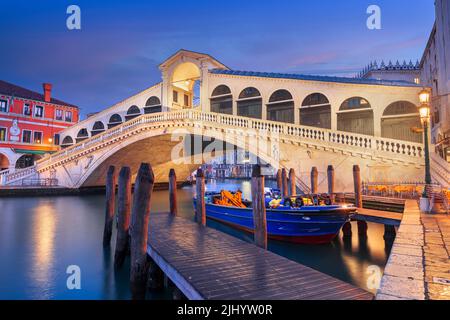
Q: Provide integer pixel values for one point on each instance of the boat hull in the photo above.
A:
(314, 225)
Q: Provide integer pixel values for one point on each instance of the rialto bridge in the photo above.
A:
(292, 121)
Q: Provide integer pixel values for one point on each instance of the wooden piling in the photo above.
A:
(389, 233)
(173, 192)
(314, 180)
(140, 215)
(292, 182)
(259, 208)
(330, 176)
(155, 276)
(200, 212)
(110, 205)
(284, 183)
(279, 180)
(362, 228)
(347, 230)
(123, 215)
(357, 186)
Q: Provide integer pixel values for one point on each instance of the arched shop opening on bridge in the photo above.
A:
(316, 111)
(401, 120)
(249, 103)
(356, 115)
(27, 160)
(281, 107)
(97, 128)
(222, 100)
(132, 113)
(153, 105)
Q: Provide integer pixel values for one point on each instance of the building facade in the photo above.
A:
(435, 73)
(30, 124)
(409, 72)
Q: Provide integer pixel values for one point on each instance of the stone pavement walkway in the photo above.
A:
(419, 264)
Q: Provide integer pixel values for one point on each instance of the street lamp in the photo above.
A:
(424, 111)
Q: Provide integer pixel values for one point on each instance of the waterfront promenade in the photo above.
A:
(419, 264)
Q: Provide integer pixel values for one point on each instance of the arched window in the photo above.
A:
(67, 142)
(222, 100)
(250, 103)
(281, 107)
(355, 115)
(153, 105)
(132, 113)
(97, 128)
(4, 162)
(27, 160)
(82, 135)
(398, 121)
(114, 121)
(316, 111)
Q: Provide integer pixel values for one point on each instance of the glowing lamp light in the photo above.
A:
(424, 97)
(424, 111)
(50, 140)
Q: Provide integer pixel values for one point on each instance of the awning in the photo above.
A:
(39, 152)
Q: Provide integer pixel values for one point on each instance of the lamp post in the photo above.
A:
(424, 110)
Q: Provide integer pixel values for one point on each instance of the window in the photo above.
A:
(68, 116)
(416, 80)
(3, 106)
(26, 136)
(186, 100)
(26, 109)
(281, 107)
(316, 111)
(59, 114)
(56, 139)
(2, 134)
(250, 103)
(175, 96)
(153, 105)
(37, 137)
(39, 111)
(222, 100)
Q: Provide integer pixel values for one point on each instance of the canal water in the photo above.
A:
(41, 237)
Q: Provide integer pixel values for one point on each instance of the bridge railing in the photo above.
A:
(316, 134)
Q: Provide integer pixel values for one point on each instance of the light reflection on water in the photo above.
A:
(41, 237)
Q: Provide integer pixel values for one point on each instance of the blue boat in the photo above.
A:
(294, 219)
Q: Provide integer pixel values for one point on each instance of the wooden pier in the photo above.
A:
(207, 264)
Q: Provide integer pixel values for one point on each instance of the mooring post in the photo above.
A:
(173, 192)
(123, 215)
(292, 182)
(279, 180)
(110, 205)
(314, 180)
(389, 233)
(362, 225)
(330, 176)
(357, 186)
(259, 208)
(200, 212)
(140, 216)
(284, 183)
(347, 230)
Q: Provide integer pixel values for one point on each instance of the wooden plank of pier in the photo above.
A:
(207, 264)
(383, 217)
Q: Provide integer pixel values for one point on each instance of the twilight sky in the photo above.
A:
(121, 43)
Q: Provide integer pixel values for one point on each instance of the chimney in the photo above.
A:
(47, 91)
